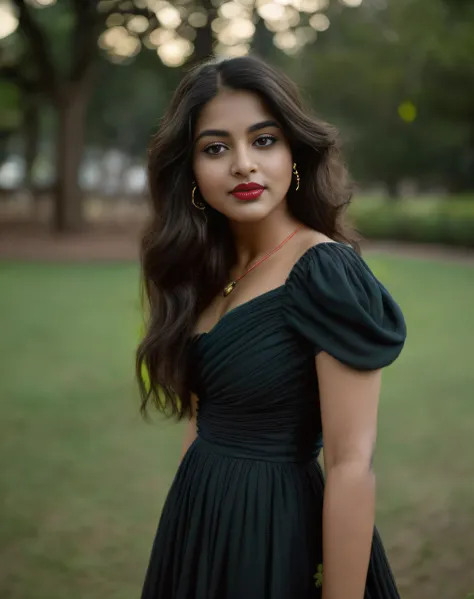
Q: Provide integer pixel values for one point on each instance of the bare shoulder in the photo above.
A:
(309, 238)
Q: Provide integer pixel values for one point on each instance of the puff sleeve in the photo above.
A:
(337, 304)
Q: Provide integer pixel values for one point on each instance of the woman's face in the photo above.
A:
(239, 142)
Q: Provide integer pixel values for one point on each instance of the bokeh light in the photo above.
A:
(233, 26)
(218, 25)
(309, 5)
(138, 24)
(232, 51)
(169, 17)
(271, 11)
(285, 40)
(42, 3)
(235, 31)
(197, 19)
(232, 10)
(115, 19)
(276, 26)
(319, 22)
(313, 6)
(293, 16)
(175, 52)
(161, 36)
(8, 20)
(119, 43)
(407, 111)
(293, 23)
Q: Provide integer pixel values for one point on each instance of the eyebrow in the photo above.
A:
(223, 133)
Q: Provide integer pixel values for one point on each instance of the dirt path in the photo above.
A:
(31, 244)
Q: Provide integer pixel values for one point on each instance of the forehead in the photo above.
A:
(232, 110)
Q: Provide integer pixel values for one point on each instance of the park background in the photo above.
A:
(83, 85)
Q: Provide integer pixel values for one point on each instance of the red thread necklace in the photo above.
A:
(230, 287)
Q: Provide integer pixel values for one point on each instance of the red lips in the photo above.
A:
(247, 187)
(248, 191)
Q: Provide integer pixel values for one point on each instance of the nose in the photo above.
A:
(243, 163)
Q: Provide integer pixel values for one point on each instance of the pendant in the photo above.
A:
(230, 287)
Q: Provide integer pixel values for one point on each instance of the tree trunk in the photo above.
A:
(72, 109)
(204, 42)
(31, 139)
(262, 42)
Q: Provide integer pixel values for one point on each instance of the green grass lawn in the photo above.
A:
(84, 478)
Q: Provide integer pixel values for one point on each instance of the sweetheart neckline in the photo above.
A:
(236, 308)
(202, 334)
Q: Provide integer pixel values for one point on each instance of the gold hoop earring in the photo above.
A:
(296, 174)
(196, 203)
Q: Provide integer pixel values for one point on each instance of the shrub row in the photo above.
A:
(444, 221)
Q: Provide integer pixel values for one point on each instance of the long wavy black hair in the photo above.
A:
(185, 260)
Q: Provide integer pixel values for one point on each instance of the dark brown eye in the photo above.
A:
(214, 149)
(265, 140)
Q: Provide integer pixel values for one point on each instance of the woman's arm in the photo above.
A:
(349, 403)
(191, 428)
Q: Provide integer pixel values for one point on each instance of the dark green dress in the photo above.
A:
(243, 517)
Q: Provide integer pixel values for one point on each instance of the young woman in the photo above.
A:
(267, 332)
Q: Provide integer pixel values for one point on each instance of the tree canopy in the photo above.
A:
(395, 75)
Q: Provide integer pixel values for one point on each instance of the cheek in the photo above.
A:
(209, 178)
(282, 167)
(206, 167)
(198, 167)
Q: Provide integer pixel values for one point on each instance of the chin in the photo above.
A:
(249, 213)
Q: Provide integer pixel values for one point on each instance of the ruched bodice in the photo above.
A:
(247, 405)
(243, 518)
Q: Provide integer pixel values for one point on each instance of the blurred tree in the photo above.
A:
(62, 50)
(449, 91)
(62, 44)
(114, 120)
(10, 114)
(19, 102)
(395, 75)
(380, 72)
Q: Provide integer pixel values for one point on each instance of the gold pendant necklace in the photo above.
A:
(230, 287)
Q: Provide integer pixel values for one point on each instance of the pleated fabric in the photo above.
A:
(243, 517)
(336, 302)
